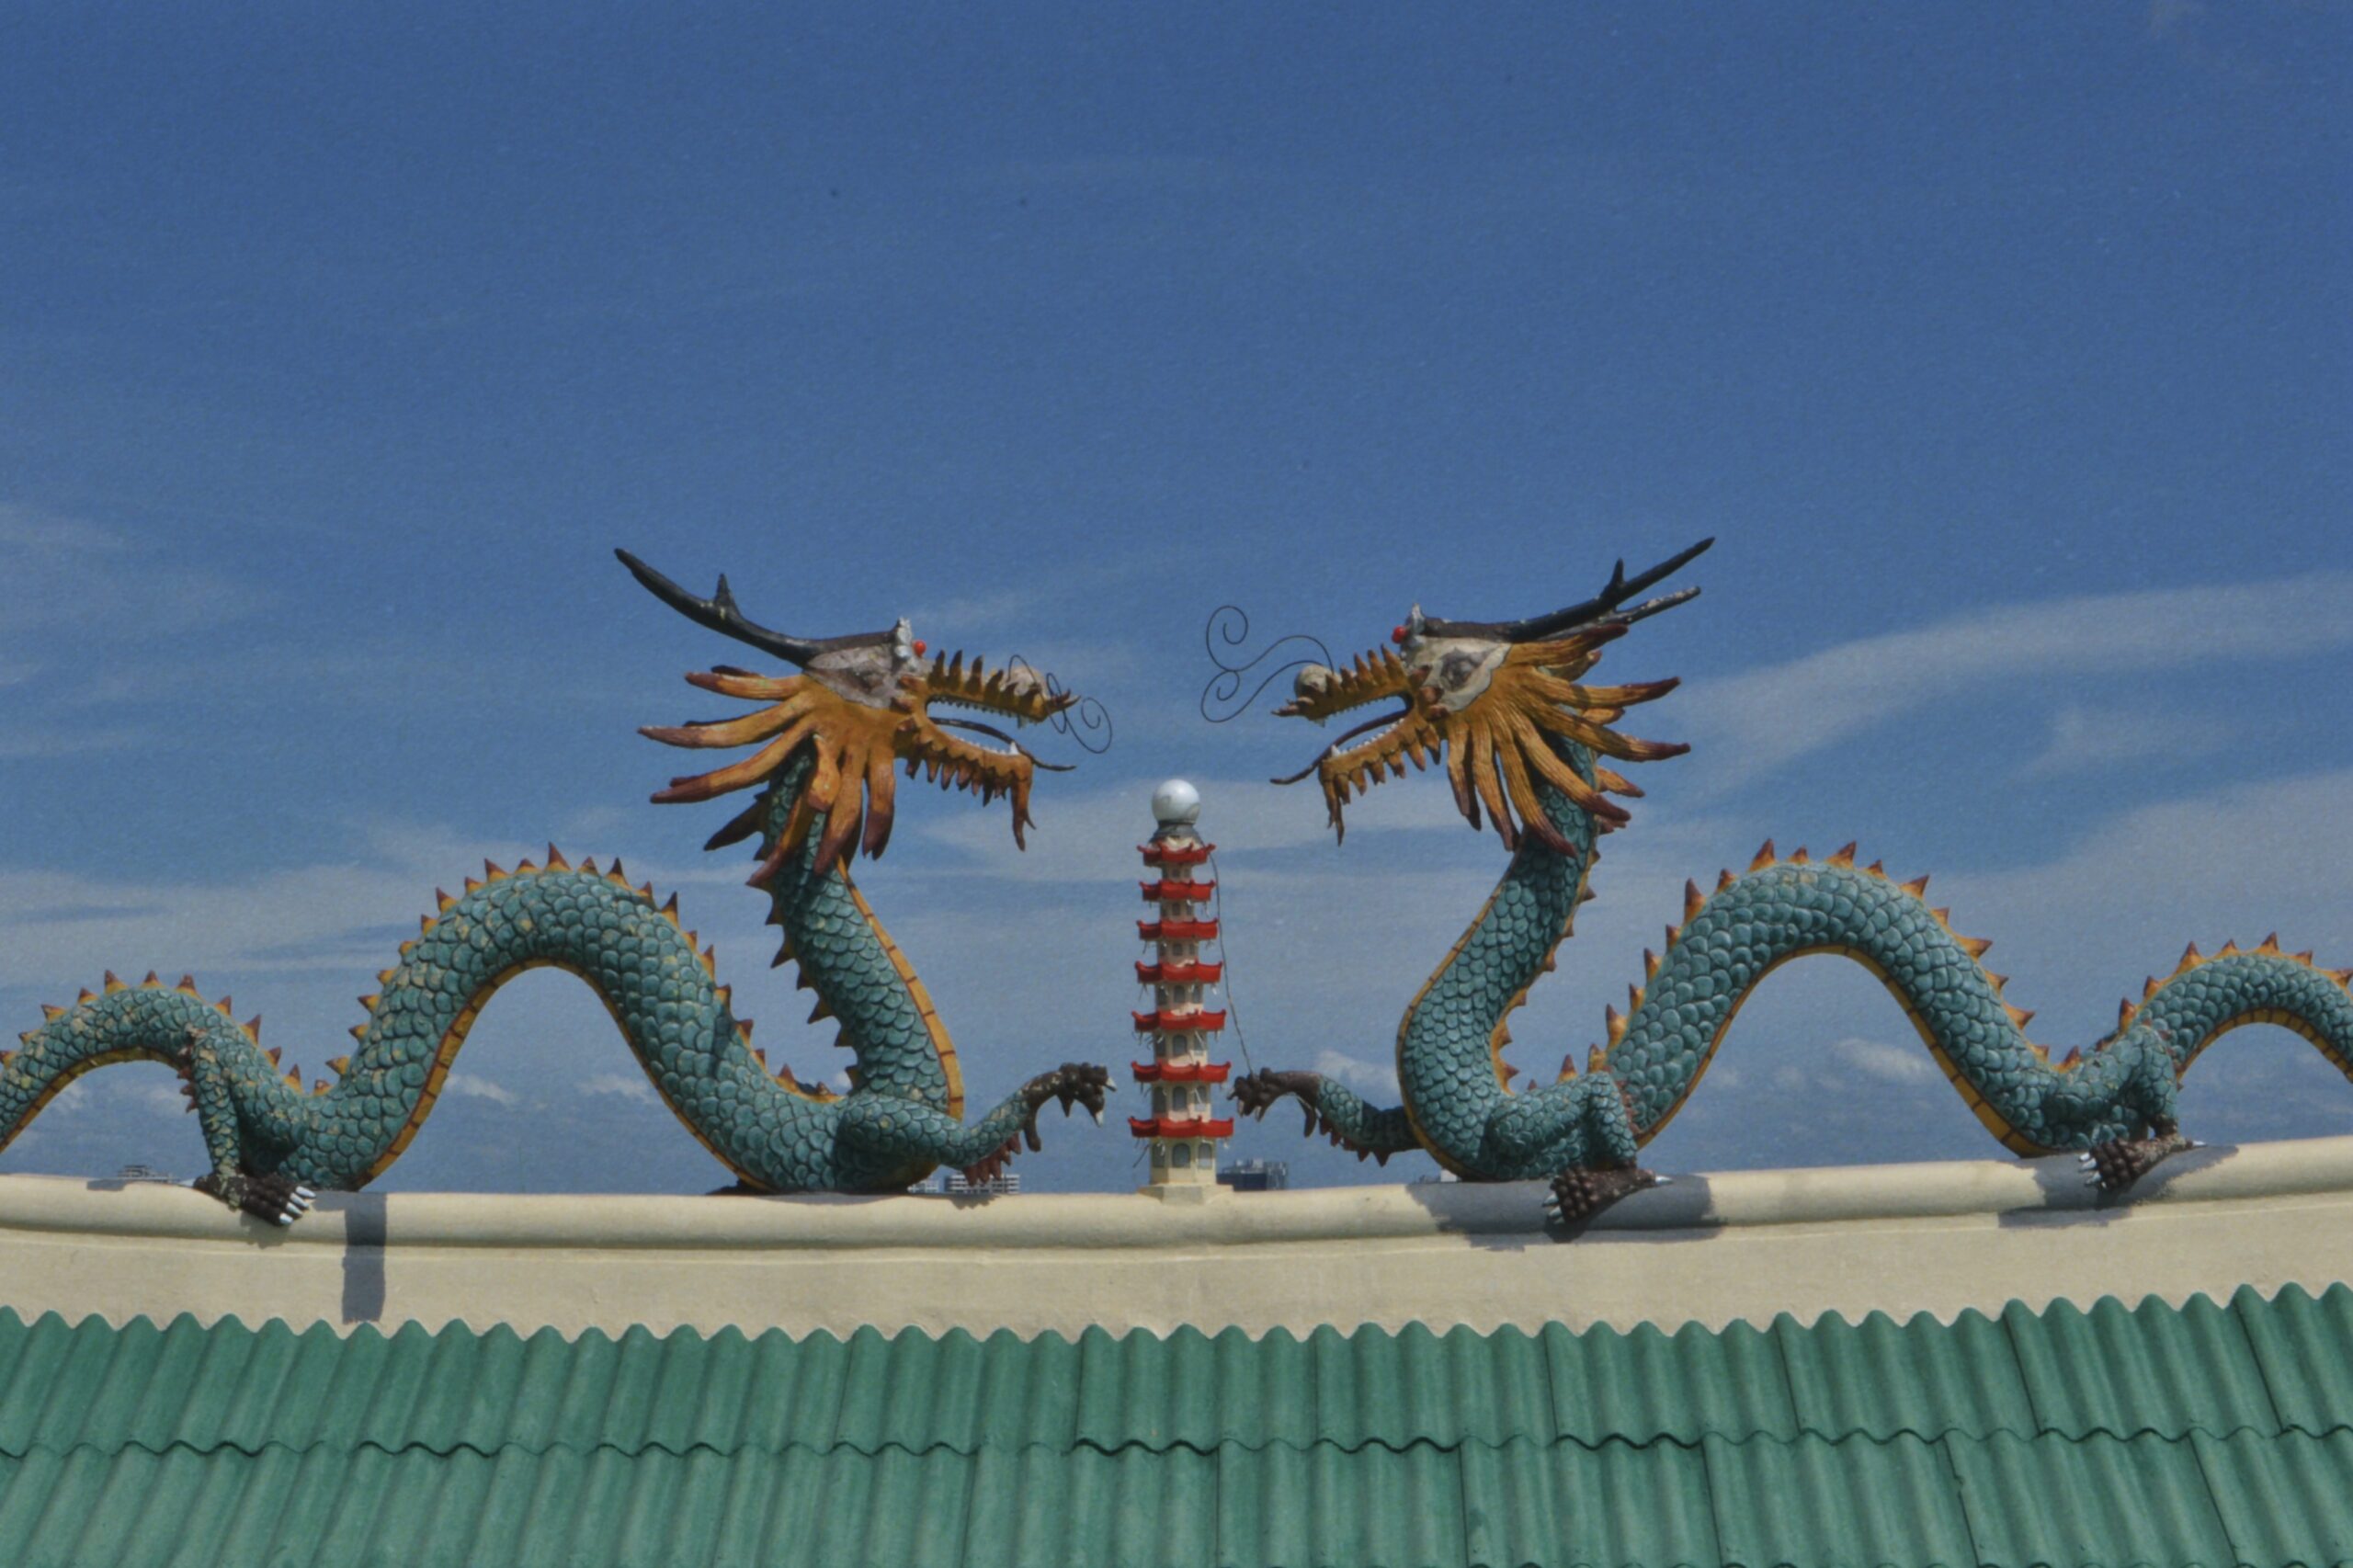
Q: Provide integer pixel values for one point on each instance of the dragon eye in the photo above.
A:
(920, 647)
(1397, 635)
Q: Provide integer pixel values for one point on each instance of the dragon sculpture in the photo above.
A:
(1524, 737)
(831, 740)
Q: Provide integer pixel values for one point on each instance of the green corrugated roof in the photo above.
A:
(2202, 1434)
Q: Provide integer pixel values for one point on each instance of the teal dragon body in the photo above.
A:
(1519, 735)
(823, 784)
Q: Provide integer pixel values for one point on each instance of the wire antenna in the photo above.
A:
(1081, 722)
(1230, 625)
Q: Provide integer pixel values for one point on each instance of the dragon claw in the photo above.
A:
(1577, 1195)
(2115, 1166)
(280, 1200)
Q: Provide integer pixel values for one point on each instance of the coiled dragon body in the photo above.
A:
(831, 740)
(1503, 705)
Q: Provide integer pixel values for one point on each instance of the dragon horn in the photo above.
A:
(720, 613)
(1602, 606)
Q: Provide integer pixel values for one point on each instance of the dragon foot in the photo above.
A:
(1254, 1092)
(2115, 1166)
(279, 1199)
(1578, 1194)
(1073, 1082)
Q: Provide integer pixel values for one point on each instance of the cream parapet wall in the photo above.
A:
(1710, 1250)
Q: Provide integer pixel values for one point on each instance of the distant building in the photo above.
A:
(143, 1173)
(955, 1185)
(1256, 1176)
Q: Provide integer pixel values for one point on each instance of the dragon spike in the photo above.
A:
(726, 996)
(2126, 1011)
(2304, 958)
(1844, 857)
(588, 867)
(1724, 878)
(252, 1029)
(474, 884)
(1877, 868)
(710, 961)
(408, 947)
(1764, 857)
(2230, 949)
(2269, 946)
(1801, 858)
(1634, 998)
(370, 1002)
(384, 976)
(114, 983)
(2068, 1062)
(2021, 1017)
(223, 1007)
(759, 1056)
(524, 868)
(294, 1079)
(1692, 898)
(1650, 964)
(2191, 959)
(1944, 918)
(187, 987)
(1918, 887)
(84, 996)
(48, 1012)
(670, 910)
(442, 902)
(1597, 1060)
(614, 873)
(824, 1009)
(2150, 987)
(320, 1086)
(359, 1031)
(1999, 980)
(1614, 1025)
(151, 982)
(339, 1066)
(1673, 934)
(274, 1052)
(491, 871)
(743, 1027)
(1975, 946)
(556, 862)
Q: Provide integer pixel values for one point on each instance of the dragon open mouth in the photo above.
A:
(1503, 705)
(862, 704)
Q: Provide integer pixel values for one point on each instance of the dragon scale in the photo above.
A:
(1499, 702)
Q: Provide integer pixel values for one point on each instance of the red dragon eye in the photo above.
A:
(1397, 635)
(920, 646)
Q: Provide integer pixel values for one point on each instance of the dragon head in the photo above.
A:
(863, 703)
(1491, 698)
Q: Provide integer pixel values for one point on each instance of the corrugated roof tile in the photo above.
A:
(2112, 1437)
(2094, 1502)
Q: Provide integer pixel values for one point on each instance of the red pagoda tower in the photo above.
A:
(1180, 1077)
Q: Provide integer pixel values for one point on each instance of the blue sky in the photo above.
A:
(2006, 351)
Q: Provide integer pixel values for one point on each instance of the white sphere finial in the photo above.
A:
(1176, 804)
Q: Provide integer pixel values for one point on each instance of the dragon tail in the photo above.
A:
(1782, 909)
(169, 1025)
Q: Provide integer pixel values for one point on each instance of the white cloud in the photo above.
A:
(1375, 1080)
(2083, 739)
(1763, 719)
(67, 574)
(620, 1085)
(468, 1086)
(1905, 1063)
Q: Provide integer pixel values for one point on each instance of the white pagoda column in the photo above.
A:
(1181, 1078)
